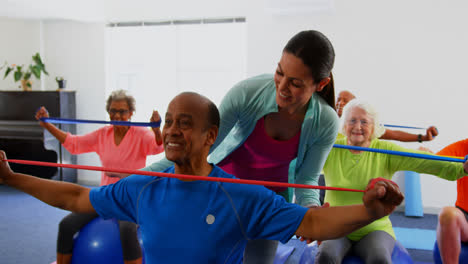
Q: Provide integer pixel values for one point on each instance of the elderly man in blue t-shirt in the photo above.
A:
(185, 221)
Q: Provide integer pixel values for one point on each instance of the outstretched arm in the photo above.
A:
(398, 135)
(55, 131)
(334, 222)
(67, 196)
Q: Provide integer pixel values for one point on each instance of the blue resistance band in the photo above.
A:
(401, 153)
(56, 120)
(386, 125)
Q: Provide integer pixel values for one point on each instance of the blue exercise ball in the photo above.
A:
(463, 258)
(399, 255)
(99, 242)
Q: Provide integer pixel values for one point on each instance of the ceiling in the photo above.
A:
(83, 10)
(141, 10)
(120, 10)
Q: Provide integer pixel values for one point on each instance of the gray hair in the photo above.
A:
(379, 130)
(121, 95)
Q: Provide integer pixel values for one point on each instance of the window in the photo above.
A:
(156, 61)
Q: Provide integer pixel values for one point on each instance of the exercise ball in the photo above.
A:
(399, 255)
(463, 258)
(99, 242)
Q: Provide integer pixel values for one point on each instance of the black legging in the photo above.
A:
(73, 222)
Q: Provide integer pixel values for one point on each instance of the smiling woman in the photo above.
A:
(361, 123)
(354, 168)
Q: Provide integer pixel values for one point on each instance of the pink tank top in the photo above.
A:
(262, 157)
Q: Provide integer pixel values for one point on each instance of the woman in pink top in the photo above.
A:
(123, 147)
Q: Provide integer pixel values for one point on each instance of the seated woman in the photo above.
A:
(353, 169)
(344, 97)
(124, 147)
(453, 220)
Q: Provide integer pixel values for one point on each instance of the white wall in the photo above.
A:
(20, 40)
(73, 50)
(76, 51)
(406, 57)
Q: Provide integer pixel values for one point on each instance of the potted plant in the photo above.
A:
(23, 74)
(62, 83)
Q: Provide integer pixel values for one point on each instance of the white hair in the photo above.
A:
(379, 130)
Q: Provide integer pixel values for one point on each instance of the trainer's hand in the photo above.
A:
(381, 197)
(117, 175)
(5, 170)
(42, 112)
(431, 133)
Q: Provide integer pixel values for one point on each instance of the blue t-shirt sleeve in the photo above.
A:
(118, 200)
(272, 217)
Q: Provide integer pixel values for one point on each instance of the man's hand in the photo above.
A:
(381, 197)
(431, 133)
(5, 170)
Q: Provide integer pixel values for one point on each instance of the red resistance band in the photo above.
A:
(374, 181)
(181, 176)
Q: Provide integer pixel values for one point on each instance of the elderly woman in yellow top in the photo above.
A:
(353, 169)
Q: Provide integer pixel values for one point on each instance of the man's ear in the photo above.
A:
(211, 136)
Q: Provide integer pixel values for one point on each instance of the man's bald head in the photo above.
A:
(207, 107)
(343, 98)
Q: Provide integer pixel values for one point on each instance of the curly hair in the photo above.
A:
(121, 95)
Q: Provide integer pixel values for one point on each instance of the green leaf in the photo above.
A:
(28, 84)
(36, 70)
(18, 75)
(37, 59)
(27, 75)
(7, 71)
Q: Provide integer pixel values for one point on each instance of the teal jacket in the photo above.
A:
(250, 100)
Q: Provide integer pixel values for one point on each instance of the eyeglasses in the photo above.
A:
(122, 112)
(363, 122)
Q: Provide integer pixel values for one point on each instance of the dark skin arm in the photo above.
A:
(55, 131)
(334, 222)
(389, 134)
(64, 195)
